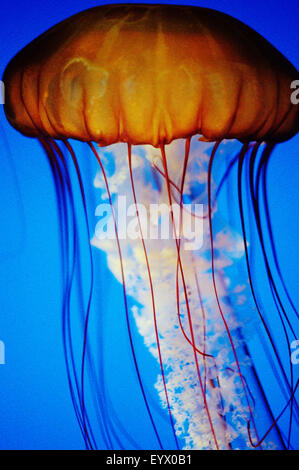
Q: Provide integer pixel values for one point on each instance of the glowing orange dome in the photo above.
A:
(148, 74)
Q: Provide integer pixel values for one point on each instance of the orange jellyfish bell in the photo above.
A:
(149, 74)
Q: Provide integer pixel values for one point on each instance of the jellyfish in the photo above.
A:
(166, 97)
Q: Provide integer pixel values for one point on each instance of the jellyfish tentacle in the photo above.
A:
(276, 298)
(152, 294)
(243, 151)
(204, 329)
(87, 310)
(180, 190)
(255, 194)
(61, 201)
(175, 186)
(104, 416)
(275, 257)
(86, 321)
(262, 439)
(273, 247)
(242, 218)
(253, 156)
(87, 314)
(67, 340)
(105, 430)
(124, 289)
(107, 427)
(164, 160)
(47, 143)
(203, 353)
(254, 189)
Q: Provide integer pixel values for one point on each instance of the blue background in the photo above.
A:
(35, 406)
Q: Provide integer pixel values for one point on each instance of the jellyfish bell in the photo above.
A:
(151, 75)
